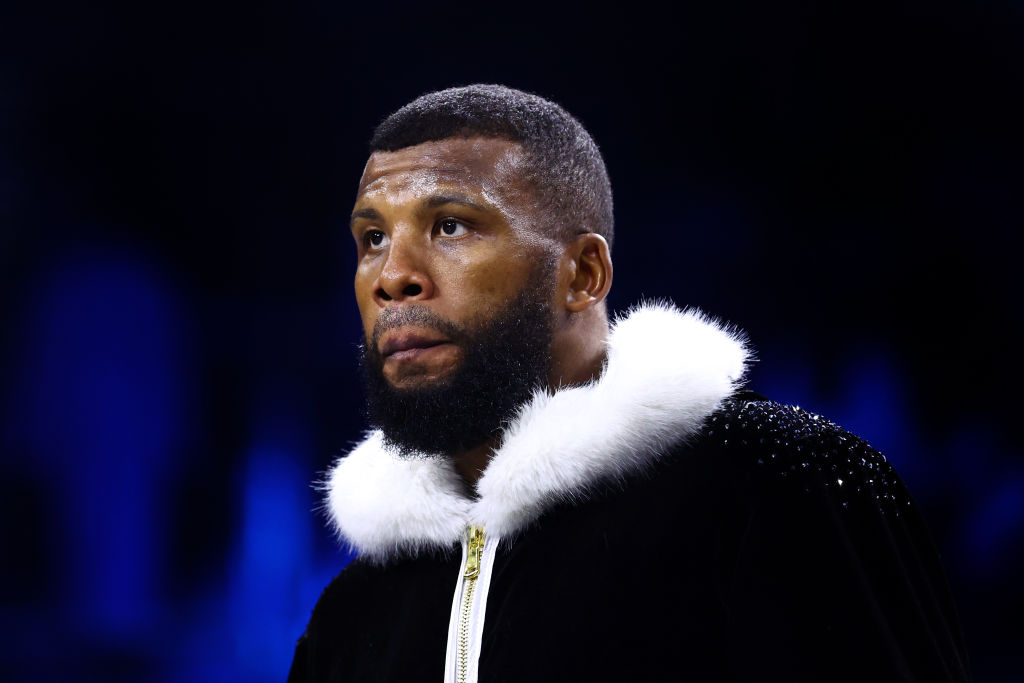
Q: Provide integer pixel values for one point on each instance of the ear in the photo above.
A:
(590, 265)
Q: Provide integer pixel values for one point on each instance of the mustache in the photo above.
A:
(413, 315)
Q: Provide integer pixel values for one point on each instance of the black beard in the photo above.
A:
(505, 358)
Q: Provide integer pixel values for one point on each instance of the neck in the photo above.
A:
(579, 348)
(471, 464)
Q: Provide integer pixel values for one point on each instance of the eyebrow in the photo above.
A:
(437, 200)
(369, 214)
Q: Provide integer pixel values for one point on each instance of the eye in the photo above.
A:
(449, 227)
(375, 239)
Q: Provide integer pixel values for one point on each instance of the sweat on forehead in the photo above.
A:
(476, 161)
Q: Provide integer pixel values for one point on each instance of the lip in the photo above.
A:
(407, 343)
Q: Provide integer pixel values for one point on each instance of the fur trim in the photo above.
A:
(666, 371)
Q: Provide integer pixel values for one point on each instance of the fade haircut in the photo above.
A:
(563, 165)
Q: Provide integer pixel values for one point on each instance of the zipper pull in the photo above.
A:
(475, 549)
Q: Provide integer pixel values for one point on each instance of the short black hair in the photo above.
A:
(564, 165)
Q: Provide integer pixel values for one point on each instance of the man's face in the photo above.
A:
(455, 287)
(444, 228)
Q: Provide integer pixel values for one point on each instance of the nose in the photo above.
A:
(404, 275)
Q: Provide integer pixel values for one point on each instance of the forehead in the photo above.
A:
(487, 167)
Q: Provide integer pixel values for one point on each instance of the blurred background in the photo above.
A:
(177, 347)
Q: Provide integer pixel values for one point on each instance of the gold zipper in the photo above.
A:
(474, 552)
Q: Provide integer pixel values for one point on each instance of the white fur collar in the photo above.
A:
(666, 371)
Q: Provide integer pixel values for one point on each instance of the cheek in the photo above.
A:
(369, 318)
(368, 310)
(493, 279)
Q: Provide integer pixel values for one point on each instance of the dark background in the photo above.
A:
(178, 336)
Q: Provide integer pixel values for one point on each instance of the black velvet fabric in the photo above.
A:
(774, 547)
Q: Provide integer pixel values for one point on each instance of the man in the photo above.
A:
(550, 497)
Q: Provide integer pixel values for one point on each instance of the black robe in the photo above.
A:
(774, 546)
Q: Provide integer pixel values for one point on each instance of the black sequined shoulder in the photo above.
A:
(789, 443)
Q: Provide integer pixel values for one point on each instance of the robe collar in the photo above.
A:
(666, 371)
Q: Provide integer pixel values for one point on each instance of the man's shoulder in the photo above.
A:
(753, 455)
(363, 573)
(367, 608)
(774, 443)
(353, 579)
(826, 538)
(367, 586)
